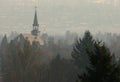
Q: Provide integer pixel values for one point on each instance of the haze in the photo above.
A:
(58, 16)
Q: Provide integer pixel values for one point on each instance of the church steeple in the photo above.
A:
(35, 30)
(35, 22)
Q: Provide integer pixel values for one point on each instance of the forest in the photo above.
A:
(72, 58)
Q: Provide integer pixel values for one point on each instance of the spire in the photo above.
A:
(35, 30)
(35, 22)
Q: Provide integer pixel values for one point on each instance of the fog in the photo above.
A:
(58, 16)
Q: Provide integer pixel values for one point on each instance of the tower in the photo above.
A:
(34, 36)
(35, 30)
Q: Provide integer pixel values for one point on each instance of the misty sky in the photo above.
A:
(57, 16)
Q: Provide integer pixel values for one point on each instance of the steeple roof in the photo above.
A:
(35, 22)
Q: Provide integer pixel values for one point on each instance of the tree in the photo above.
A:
(20, 63)
(61, 70)
(102, 68)
(3, 46)
(79, 53)
(4, 42)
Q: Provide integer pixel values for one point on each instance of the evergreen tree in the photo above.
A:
(79, 53)
(102, 68)
(4, 42)
(61, 70)
(3, 46)
(20, 63)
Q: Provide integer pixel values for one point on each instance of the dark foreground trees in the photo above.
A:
(95, 61)
(79, 54)
(102, 68)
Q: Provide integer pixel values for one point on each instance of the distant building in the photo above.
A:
(34, 35)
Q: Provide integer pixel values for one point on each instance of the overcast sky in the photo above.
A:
(57, 16)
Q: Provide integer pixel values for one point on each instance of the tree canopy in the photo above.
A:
(102, 68)
(79, 54)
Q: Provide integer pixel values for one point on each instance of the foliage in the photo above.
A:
(61, 70)
(102, 68)
(20, 63)
(79, 53)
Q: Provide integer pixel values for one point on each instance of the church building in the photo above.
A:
(34, 35)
